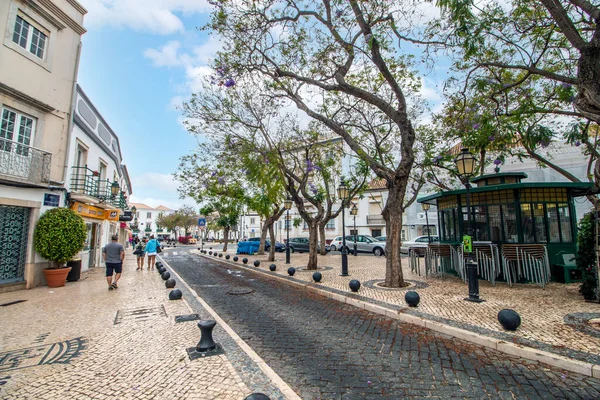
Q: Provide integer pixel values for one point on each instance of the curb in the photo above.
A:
(502, 346)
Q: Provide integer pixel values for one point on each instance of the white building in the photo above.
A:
(146, 221)
(98, 182)
(39, 57)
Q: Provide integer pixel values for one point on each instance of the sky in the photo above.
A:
(140, 58)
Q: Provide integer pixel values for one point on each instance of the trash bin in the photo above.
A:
(75, 272)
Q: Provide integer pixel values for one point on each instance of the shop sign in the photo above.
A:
(88, 211)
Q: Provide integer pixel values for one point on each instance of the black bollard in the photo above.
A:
(227, 257)
(354, 285)
(170, 283)
(509, 319)
(317, 276)
(412, 298)
(291, 271)
(473, 282)
(257, 396)
(206, 340)
(235, 258)
(220, 255)
(175, 294)
(165, 275)
(256, 263)
(245, 260)
(272, 267)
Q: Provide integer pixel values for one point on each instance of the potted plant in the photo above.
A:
(59, 235)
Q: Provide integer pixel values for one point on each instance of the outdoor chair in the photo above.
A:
(414, 257)
(529, 261)
(442, 258)
(488, 261)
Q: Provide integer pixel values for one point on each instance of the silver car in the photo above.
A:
(364, 244)
(419, 241)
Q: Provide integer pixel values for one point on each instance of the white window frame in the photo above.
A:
(149, 215)
(35, 20)
(16, 134)
(32, 30)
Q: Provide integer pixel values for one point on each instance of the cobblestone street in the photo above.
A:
(326, 349)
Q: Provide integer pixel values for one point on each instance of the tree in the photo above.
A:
(275, 154)
(532, 67)
(342, 53)
(225, 213)
(168, 221)
(186, 218)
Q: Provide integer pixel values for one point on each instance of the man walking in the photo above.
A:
(113, 254)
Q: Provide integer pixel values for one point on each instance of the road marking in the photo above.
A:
(285, 389)
(175, 253)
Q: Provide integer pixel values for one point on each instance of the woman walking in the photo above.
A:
(140, 250)
(151, 250)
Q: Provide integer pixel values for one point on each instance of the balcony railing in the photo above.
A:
(375, 220)
(24, 162)
(86, 182)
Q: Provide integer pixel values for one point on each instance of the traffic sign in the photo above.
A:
(202, 222)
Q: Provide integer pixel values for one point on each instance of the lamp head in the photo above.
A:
(425, 206)
(465, 163)
(114, 188)
(133, 210)
(353, 210)
(287, 203)
(343, 191)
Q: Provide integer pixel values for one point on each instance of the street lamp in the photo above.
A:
(287, 204)
(115, 188)
(343, 195)
(353, 212)
(465, 164)
(426, 208)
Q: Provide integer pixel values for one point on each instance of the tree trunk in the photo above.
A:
(392, 213)
(226, 238)
(322, 238)
(313, 238)
(263, 237)
(273, 242)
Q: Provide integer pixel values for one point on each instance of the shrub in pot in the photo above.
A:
(59, 235)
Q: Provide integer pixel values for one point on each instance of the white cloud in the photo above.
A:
(156, 181)
(154, 16)
(167, 55)
(156, 189)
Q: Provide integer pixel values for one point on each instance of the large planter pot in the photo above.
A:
(75, 272)
(56, 277)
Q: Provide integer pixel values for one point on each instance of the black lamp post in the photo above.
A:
(426, 208)
(287, 204)
(465, 164)
(353, 212)
(343, 195)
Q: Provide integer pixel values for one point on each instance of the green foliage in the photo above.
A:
(586, 256)
(59, 235)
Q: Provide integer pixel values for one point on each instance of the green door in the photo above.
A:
(14, 229)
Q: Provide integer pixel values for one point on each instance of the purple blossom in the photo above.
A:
(572, 99)
(311, 167)
(213, 174)
(578, 143)
(566, 85)
(229, 82)
(491, 138)
(221, 180)
(339, 13)
(437, 159)
(545, 142)
(497, 161)
(476, 125)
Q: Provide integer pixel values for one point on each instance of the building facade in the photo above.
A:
(98, 183)
(39, 58)
(145, 218)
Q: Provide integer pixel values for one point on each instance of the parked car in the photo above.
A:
(381, 238)
(419, 241)
(280, 247)
(364, 244)
(301, 245)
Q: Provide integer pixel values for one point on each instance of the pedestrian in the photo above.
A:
(113, 254)
(151, 250)
(140, 252)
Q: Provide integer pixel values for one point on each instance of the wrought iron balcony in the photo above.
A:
(84, 185)
(375, 220)
(18, 161)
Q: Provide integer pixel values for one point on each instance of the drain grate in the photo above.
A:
(187, 318)
(140, 314)
(12, 302)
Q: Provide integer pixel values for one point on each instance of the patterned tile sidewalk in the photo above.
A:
(67, 343)
(554, 319)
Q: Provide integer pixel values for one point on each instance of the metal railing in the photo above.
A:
(84, 181)
(375, 220)
(24, 162)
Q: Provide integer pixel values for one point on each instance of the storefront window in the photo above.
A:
(527, 223)
(565, 223)
(481, 223)
(553, 229)
(495, 219)
(539, 222)
(509, 214)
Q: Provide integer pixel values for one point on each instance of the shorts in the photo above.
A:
(141, 255)
(152, 254)
(117, 267)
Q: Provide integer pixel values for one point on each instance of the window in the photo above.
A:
(149, 215)
(353, 232)
(252, 221)
(375, 232)
(330, 224)
(29, 37)
(17, 128)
